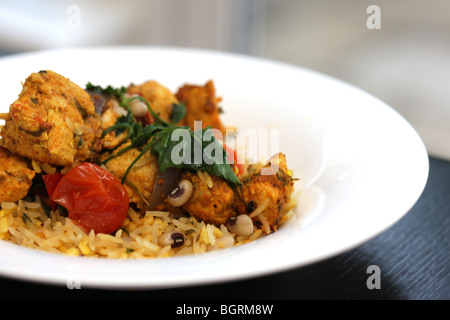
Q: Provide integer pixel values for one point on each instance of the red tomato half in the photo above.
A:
(232, 157)
(93, 197)
(51, 181)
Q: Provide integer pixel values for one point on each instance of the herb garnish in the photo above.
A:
(163, 146)
(157, 137)
(108, 91)
(178, 112)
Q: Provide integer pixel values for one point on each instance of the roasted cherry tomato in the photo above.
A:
(51, 181)
(147, 119)
(232, 157)
(93, 197)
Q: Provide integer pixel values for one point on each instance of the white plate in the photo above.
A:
(362, 166)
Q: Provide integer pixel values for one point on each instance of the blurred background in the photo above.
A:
(396, 50)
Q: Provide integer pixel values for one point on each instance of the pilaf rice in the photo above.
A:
(26, 223)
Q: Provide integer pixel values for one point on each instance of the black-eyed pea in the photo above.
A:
(241, 225)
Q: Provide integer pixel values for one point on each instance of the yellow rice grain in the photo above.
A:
(118, 233)
(158, 213)
(184, 219)
(255, 235)
(164, 251)
(259, 209)
(20, 208)
(48, 169)
(132, 226)
(35, 166)
(52, 242)
(30, 235)
(182, 226)
(224, 230)
(73, 252)
(210, 234)
(83, 128)
(4, 225)
(208, 179)
(265, 223)
(109, 238)
(32, 205)
(204, 235)
(217, 232)
(91, 241)
(147, 244)
(155, 233)
(8, 205)
(185, 251)
(148, 219)
(25, 223)
(17, 235)
(31, 213)
(201, 177)
(287, 217)
(83, 246)
(49, 233)
(134, 216)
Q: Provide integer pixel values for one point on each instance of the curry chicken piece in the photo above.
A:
(109, 117)
(211, 201)
(201, 105)
(264, 193)
(15, 176)
(159, 97)
(141, 179)
(53, 121)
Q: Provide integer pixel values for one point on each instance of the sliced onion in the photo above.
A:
(98, 100)
(165, 182)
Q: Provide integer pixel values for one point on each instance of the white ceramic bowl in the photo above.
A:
(361, 165)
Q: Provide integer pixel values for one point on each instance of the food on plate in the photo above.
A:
(15, 176)
(158, 96)
(129, 173)
(53, 122)
(202, 104)
(212, 199)
(263, 196)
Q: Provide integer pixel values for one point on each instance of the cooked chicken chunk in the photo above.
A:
(210, 201)
(263, 194)
(53, 121)
(201, 105)
(141, 178)
(15, 176)
(109, 118)
(160, 98)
